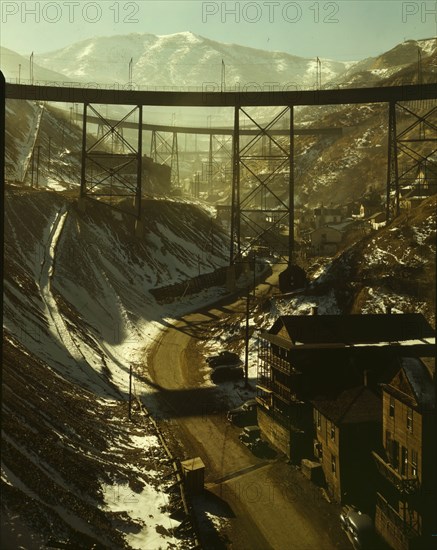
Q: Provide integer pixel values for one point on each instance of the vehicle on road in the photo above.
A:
(358, 527)
(223, 358)
(227, 372)
(245, 413)
(251, 437)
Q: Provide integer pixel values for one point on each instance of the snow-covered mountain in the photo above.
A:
(16, 68)
(187, 59)
(181, 59)
(411, 54)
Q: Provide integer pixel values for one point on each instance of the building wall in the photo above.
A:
(384, 526)
(410, 436)
(330, 452)
(410, 439)
(332, 236)
(274, 432)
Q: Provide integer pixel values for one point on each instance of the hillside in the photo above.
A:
(79, 310)
(77, 314)
(180, 59)
(394, 266)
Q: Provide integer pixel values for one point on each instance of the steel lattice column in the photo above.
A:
(392, 165)
(262, 187)
(164, 152)
(110, 174)
(291, 192)
(235, 192)
(417, 147)
(415, 144)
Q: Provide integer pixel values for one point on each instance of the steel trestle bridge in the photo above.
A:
(280, 156)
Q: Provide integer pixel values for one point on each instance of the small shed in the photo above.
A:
(312, 470)
(194, 474)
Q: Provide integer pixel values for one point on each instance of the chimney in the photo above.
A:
(314, 310)
(388, 310)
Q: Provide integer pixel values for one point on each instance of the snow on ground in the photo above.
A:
(377, 299)
(144, 507)
(85, 312)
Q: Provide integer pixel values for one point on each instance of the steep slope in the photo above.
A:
(16, 68)
(77, 315)
(394, 266)
(374, 71)
(48, 133)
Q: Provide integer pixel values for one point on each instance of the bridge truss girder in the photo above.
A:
(219, 164)
(415, 144)
(164, 150)
(259, 208)
(112, 174)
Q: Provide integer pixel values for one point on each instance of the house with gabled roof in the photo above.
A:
(302, 357)
(347, 427)
(406, 499)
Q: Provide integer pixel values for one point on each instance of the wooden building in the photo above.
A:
(323, 215)
(347, 427)
(406, 503)
(303, 357)
(325, 240)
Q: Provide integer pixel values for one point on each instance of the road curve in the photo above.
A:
(273, 507)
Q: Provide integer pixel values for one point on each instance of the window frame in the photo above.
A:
(410, 419)
(318, 420)
(391, 407)
(334, 464)
(414, 463)
(332, 432)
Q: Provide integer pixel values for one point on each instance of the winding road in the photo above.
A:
(266, 503)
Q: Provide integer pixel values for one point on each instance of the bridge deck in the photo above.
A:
(222, 99)
(222, 131)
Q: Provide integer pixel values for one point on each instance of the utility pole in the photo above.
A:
(246, 350)
(223, 78)
(19, 73)
(32, 167)
(37, 165)
(130, 393)
(130, 73)
(31, 68)
(318, 74)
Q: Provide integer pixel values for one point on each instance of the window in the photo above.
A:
(392, 407)
(414, 458)
(333, 464)
(404, 461)
(387, 441)
(394, 455)
(392, 449)
(318, 420)
(332, 431)
(410, 420)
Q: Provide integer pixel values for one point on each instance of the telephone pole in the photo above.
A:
(31, 68)
(130, 393)
(37, 164)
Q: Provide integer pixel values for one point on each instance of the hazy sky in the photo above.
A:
(341, 29)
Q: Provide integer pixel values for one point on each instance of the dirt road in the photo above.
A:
(266, 504)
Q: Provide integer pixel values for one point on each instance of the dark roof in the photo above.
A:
(413, 383)
(354, 405)
(352, 329)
